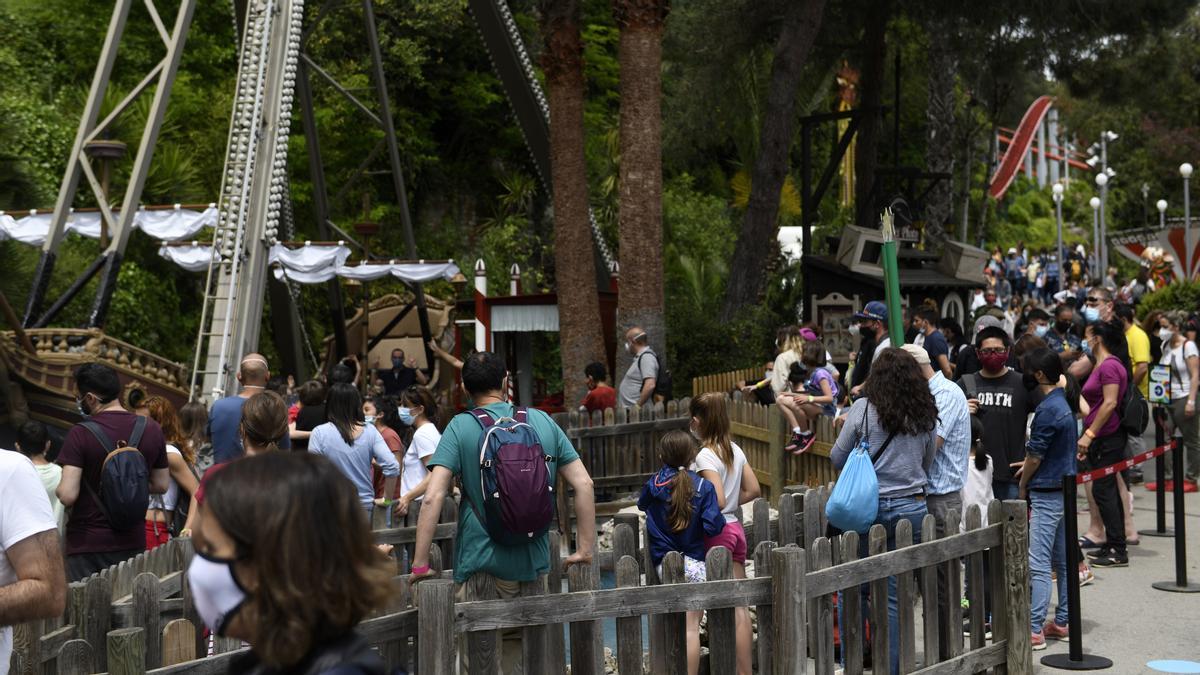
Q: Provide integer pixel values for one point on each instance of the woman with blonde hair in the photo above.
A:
(181, 458)
(722, 463)
(287, 563)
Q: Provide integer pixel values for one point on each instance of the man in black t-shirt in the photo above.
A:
(998, 397)
(403, 374)
(926, 323)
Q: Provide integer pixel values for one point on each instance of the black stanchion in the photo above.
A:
(1180, 584)
(1160, 471)
(1074, 659)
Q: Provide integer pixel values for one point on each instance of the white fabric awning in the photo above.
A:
(165, 224)
(318, 263)
(524, 318)
(192, 258)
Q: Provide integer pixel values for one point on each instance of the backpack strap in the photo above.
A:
(108, 446)
(484, 418)
(105, 442)
(521, 415)
(135, 437)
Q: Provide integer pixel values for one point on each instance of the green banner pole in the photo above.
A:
(891, 281)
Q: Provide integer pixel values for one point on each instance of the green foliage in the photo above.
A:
(138, 290)
(1181, 295)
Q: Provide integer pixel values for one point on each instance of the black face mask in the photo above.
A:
(867, 333)
(1062, 326)
(1029, 381)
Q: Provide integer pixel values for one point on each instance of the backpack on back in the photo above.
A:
(1134, 417)
(663, 385)
(517, 481)
(124, 478)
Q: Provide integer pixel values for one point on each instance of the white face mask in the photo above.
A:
(216, 591)
(853, 330)
(1165, 334)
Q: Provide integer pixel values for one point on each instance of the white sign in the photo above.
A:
(1160, 384)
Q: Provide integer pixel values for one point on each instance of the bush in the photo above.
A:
(1183, 295)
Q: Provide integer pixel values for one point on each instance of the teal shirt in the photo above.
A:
(474, 550)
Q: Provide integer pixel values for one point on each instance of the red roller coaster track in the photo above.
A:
(1021, 140)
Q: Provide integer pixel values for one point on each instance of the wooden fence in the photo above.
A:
(762, 433)
(139, 614)
(796, 574)
(725, 382)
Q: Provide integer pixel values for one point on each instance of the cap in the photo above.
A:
(917, 353)
(988, 321)
(808, 334)
(873, 310)
(1012, 250)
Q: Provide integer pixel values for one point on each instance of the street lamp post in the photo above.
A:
(1102, 182)
(1162, 214)
(1185, 170)
(1094, 202)
(1058, 198)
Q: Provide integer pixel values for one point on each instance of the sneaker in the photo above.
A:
(1053, 631)
(796, 441)
(806, 442)
(1189, 486)
(1101, 552)
(1111, 559)
(1038, 640)
(1086, 576)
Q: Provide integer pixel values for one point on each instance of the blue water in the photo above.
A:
(608, 627)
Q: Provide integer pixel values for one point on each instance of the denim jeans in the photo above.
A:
(891, 511)
(1047, 545)
(1003, 490)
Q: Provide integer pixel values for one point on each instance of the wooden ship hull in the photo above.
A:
(38, 376)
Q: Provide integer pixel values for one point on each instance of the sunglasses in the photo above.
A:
(1095, 301)
(993, 350)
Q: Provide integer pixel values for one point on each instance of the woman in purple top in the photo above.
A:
(1102, 442)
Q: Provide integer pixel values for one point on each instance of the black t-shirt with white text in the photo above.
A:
(1004, 406)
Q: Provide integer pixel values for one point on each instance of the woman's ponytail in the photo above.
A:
(682, 490)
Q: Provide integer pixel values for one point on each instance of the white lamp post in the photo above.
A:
(1102, 183)
(1094, 202)
(1058, 198)
(1185, 170)
(1162, 213)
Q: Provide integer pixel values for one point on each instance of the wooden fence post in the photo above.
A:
(178, 642)
(975, 581)
(435, 627)
(555, 648)
(127, 651)
(787, 520)
(95, 616)
(148, 615)
(76, 658)
(880, 648)
(587, 649)
(1016, 586)
(722, 624)
(761, 529)
(765, 613)
(851, 627)
(932, 597)
(533, 638)
(629, 630)
(777, 433)
(821, 610)
(904, 603)
(484, 648)
(790, 605)
(624, 542)
(674, 625)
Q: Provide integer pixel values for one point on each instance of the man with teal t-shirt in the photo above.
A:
(484, 377)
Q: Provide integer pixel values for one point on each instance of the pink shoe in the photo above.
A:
(1038, 640)
(1053, 631)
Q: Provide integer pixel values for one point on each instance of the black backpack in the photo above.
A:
(663, 386)
(1134, 416)
(124, 478)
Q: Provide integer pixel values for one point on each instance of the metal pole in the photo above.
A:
(1180, 584)
(1058, 215)
(1187, 228)
(1074, 659)
(1096, 242)
(1160, 470)
(1103, 250)
(389, 132)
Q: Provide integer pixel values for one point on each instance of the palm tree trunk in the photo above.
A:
(748, 270)
(866, 157)
(579, 324)
(940, 116)
(639, 190)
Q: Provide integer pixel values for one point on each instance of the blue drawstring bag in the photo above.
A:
(854, 503)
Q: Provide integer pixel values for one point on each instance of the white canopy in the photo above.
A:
(164, 224)
(318, 263)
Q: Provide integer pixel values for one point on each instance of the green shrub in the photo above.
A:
(1183, 295)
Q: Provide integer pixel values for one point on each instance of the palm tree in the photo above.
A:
(639, 54)
(575, 272)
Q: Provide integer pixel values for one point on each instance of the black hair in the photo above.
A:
(278, 384)
(596, 371)
(1037, 314)
(344, 409)
(952, 329)
(991, 332)
(1049, 363)
(1064, 307)
(341, 374)
(483, 372)
(31, 438)
(929, 315)
(981, 456)
(386, 411)
(311, 393)
(422, 396)
(99, 380)
(1124, 311)
(1112, 336)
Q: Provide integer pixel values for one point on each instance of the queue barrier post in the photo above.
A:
(1180, 584)
(1074, 659)
(1160, 473)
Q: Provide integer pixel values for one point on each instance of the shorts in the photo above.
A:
(733, 537)
(157, 534)
(694, 571)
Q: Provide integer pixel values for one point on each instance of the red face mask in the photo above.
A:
(993, 362)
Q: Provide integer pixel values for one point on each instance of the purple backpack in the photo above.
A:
(518, 484)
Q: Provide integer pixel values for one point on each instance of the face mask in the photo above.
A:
(854, 330)
(1040, 330)
(1087, 348)
(993, 362)
(397, 363)
(867, 332)
(1091, 314)
(406, 416)
(368, 419)
(215, 590)
(1062, 326)
(1165, 334)
(83, 412)
(626, 346)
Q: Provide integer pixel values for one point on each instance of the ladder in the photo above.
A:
(253, 192)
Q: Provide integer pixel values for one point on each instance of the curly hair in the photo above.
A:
(163, 412)
(280, 508)
(900, 393)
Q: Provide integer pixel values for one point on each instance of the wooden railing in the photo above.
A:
(725, 382)
(762, 433)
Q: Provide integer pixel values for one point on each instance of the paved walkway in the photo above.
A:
(1127, 620)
